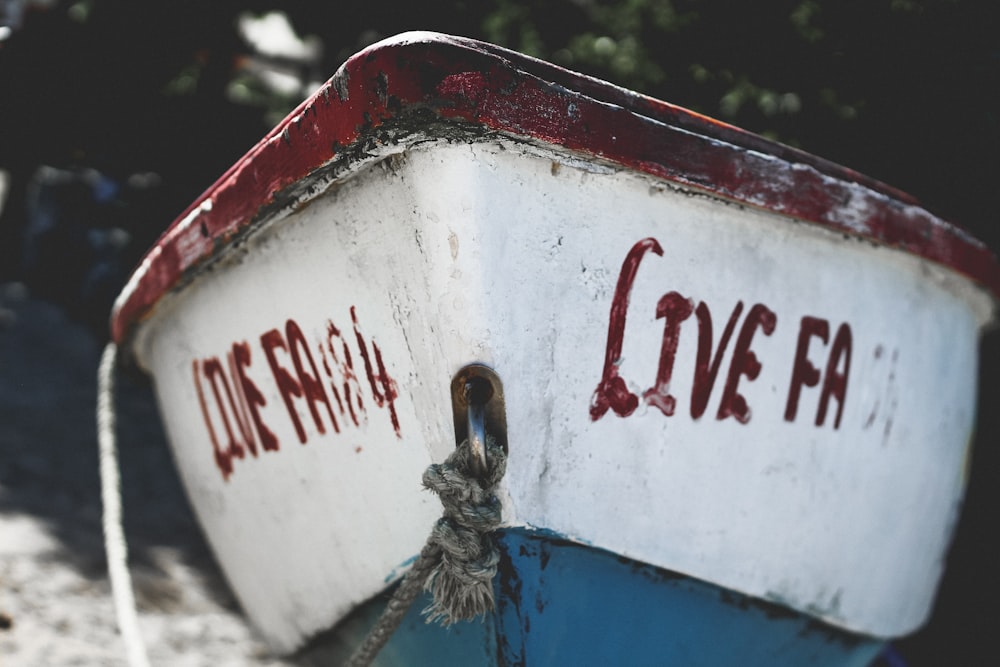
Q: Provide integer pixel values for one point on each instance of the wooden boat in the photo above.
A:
(736, 382)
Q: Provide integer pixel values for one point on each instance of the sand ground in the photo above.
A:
(55, 605)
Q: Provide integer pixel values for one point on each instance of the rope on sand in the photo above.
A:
(111, 498)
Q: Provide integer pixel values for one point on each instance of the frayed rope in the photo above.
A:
(459, 561)
(462, 581)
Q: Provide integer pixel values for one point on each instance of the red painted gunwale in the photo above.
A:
(471, 82)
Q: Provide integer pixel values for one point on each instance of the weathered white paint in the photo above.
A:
(509, 255)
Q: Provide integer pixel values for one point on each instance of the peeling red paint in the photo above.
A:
(473, 83)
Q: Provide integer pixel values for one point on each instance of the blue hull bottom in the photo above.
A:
(560, 603)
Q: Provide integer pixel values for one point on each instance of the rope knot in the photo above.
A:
(461, 582)
(459, 560)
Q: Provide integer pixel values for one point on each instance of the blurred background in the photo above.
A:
(116, 114)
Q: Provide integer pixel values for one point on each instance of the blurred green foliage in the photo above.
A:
(901, 89)
(904, 90)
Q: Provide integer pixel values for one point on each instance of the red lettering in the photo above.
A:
(363, 348)
(239, 399)
(253, 397)
(222, 458)
(835, 381)
(612, 391)
(673, 309)
(311, 386)
(388, 391)
(351, 396)
(287, 384)
(706, 369)
(212, 368)
(240, 409)
(745, 363)
(803, 372)
(331, 333)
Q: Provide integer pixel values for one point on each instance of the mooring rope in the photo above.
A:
(456, 565)
(111, 498)
(459, 561)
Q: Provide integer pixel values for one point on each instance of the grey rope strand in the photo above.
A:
(111, 499)
(459, 560)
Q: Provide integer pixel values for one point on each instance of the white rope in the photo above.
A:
(114, 534)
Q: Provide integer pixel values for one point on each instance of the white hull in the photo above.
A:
(815, 458)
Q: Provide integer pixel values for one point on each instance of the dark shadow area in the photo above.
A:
(963, 627)
(48, 445)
